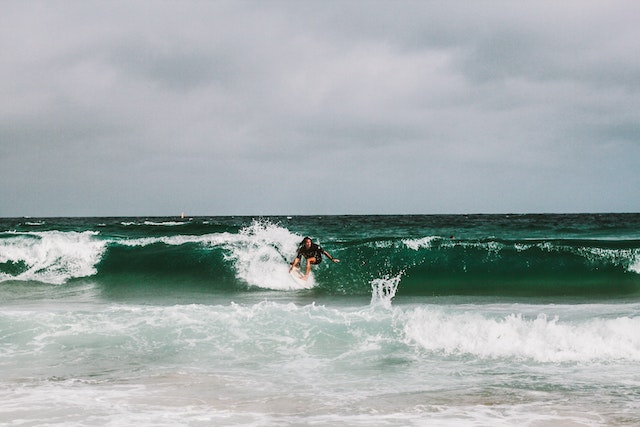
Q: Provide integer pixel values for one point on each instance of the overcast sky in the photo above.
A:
(318, 107)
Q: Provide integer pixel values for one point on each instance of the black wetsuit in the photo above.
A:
(314, 251)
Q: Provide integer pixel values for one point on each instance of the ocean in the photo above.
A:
(428, 320)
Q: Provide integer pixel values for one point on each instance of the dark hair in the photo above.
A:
(306, 237)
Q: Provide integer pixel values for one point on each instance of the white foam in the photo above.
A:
(52, 256)
(283, 364)
(634, 265)
(416, 244)
(261, 254)
(541, 339)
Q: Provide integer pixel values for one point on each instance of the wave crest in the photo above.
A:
(49, 256)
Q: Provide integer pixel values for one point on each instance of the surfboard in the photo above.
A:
(297, 275)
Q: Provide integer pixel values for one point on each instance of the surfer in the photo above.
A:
(312, 253)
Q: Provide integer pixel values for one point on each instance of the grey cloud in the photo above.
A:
(222, 106)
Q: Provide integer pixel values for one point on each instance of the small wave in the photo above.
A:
(154, 223)
(165, 223)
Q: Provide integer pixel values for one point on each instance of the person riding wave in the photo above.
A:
(312, 253)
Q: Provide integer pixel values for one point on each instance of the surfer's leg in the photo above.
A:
(310, 261)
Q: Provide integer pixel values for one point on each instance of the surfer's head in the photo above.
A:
(306, 241)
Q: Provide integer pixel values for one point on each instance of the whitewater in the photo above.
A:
(428, 320)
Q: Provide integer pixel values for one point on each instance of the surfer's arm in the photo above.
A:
(330, 257)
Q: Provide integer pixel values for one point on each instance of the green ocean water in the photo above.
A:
(427, 320)
(485, 255)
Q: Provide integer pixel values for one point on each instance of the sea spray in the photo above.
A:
(384, 289)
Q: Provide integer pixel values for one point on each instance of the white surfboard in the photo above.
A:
(297, 275)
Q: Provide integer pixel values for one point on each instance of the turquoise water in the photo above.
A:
(427, 320)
